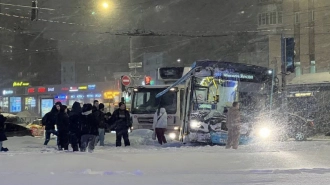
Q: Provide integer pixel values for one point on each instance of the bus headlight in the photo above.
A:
(194, 124)
(264, 133)
(176, 128)
(172, 135)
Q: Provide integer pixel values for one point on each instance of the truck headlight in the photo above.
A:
(194, 124)
(264, 133)
(176, 128)
(172, 135)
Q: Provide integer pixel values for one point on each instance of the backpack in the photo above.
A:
(44, 119)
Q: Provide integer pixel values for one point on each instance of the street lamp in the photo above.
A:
(105, 5)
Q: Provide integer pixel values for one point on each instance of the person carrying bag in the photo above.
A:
(160, 125)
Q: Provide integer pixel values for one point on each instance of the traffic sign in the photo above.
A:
(126, 80)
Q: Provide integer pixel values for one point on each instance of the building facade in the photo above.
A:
(305, 21)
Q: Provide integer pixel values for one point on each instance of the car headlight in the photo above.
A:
(194, 124)
(172, 135)
(264, 132)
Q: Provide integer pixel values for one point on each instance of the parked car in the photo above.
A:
(275, 128)
(15, 126)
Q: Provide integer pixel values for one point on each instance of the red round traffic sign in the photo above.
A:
(126, 80)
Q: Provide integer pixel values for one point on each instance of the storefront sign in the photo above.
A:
(20, 84)
(65, 89)
(73, 89)
(90, 95)
(98, 95)
(51, 89)
(80, 96)
(61, 97)
(82, 88)
(73, 96)
(91, 87)
(110, 94)
(41, 90)
(31, 90)
(7, 92)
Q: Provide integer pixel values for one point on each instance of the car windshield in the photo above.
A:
(145, 102)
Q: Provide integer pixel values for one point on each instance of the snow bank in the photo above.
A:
(144, 137)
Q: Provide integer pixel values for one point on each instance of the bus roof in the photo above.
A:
(258, 71)
(154, 86)
(238, 67)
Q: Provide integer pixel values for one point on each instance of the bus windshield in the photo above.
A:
(145, 101)
(216, 93)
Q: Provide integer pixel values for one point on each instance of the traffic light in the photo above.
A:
(289, 54)
(34, 11)
(147, 80)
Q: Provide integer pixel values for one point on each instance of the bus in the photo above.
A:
(144, 103)
(210, 89)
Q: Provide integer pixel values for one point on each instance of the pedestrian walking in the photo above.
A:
(2, 132)
(234, 126)
(89, 128)
(121, 121)
(63, 128)
(100, 121)
(160, 125)
(75, 126)
(49, 121)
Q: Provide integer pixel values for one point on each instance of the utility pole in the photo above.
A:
(284, 73)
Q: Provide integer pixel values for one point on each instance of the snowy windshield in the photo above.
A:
(145, 102)
(214, 94)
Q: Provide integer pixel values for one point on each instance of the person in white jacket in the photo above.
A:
(160, 125)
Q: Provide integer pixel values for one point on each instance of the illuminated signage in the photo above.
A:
(91, 87)
(61, 97)
(82, 88)
(7, 92)
(20, 84)
(31, 90)
(110, 94)
(51, 89)
(41, 89)
(233, 75)
(80, 96)
(90, 95)
(73, 96)
(65, 89)
(303, 94)
(73, 89)
(98, 95)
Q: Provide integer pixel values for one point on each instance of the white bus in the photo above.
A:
(211, 87)
(144, 103)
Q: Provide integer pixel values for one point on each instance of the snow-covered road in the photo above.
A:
(276, 163)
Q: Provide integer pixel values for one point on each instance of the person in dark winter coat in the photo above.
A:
(2, 132)
(63, 128)
(49, 121)
(234, 126)
(122, 122)
(89, 128)
(75, 127)
(95, 105)
(99, 116)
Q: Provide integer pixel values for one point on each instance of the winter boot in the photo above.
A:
(4, 149)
